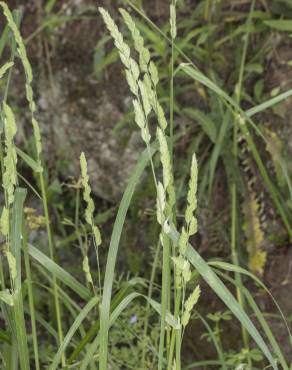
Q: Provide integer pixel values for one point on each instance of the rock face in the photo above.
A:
(89, 124)
(77, 110)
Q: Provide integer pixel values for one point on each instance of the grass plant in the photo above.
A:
(86, 308)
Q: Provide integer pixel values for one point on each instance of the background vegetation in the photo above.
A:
(146, 205)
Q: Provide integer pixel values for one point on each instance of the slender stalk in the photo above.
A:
(176, 335)
(165, 297)
(51, 251)
(171, 100)
(234, 201)
(150, 291)
(31, 301)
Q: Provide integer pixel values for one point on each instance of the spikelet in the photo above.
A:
(89, 212)
(153, 73)
(182, 268)
(192, 192)
(183, 241)
(191, 221)
(151, 78)
(161, 117)
(254, 235)
(5, 68)
(37, 136)
(167, 169)
(123, 48)
(139, 114)
(141, 103)
(144, 54)
(145, 98)
(10, 159)
(189, 305)
(86, 269)
(173, 30)
(34, 221)
(12, 265)
(20, 44)
(161, 203)
(4, 222)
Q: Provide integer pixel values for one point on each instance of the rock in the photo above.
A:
(88, 124)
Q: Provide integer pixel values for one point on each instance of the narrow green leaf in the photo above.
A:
(280, 25)
(269, 103)
(204, 121)
(18, 312)
(29, 161)
(112, 255)
(77, 322)
(59, 272)
(5, 337)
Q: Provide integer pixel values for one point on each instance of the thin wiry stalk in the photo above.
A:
(149, 295)
(31, 301)
(51, 251)
(171, 100)
(234, 201)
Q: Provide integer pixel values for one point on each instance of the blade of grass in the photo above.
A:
(59, 272)
(77, 322)
(112, 255)
(31, 300)
(234, 190)
(5, 336)
(268, 104)
(36, 167)
(201, 364)
(18, 312)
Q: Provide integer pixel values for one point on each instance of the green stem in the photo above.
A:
(235, 260)
(165, 296)
(51, 251)
(234, 227)
(171, 103)
(176, 335)
(31, 301)
(150, 291)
